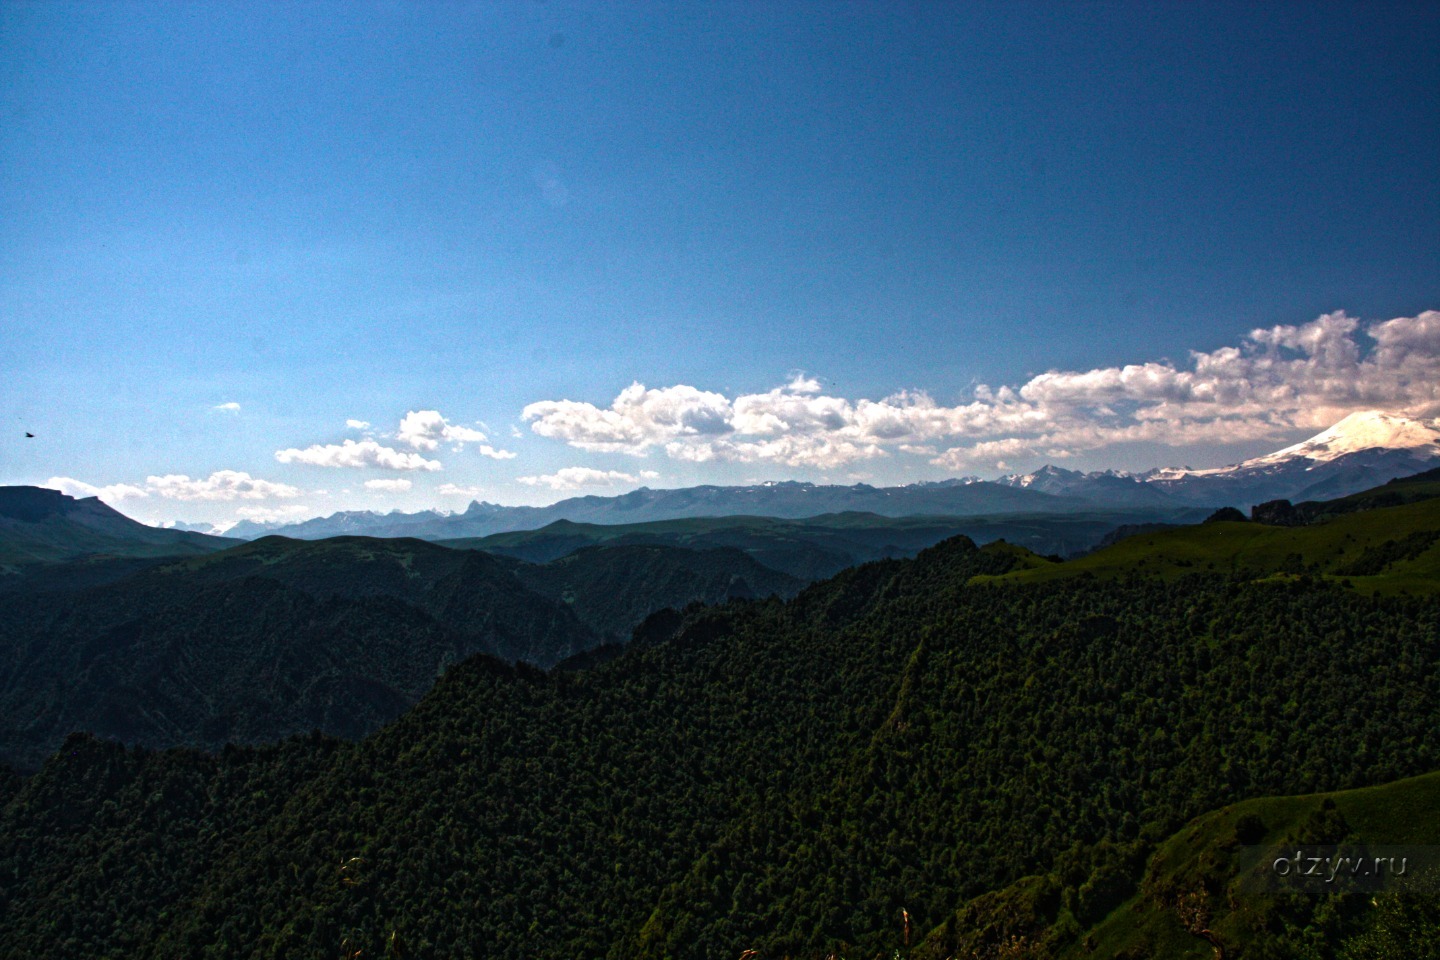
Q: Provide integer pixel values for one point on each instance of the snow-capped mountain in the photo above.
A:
(1108, 487)
(1367, 430)
(1363, 450)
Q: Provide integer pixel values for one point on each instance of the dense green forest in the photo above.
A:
(794, 778)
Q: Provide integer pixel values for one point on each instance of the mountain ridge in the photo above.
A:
(1362, 450)
(38, 524)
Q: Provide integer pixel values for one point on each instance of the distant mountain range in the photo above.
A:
(820, 547)
(1361, 451)
(788, 499)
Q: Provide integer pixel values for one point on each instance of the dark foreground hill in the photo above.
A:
(39, 525)
(791, 778)
(271, 638)
(280, 636)
(613, 588)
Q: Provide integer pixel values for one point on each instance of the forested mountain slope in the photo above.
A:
(271, 638)
(279, 636)
(782, 777)
(613, 588)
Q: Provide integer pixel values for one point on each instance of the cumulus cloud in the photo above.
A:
(111, 493)
(351, 453)
(231, 407)
(284, 511)
(427, 429)
(637, 420)
(220, 485)
(357, 424)
(574, 478)
(391, 486)
(455, 490)
(1272, 382)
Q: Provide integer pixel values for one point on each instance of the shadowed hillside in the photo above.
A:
(280, 636)
(270, 638)
(40, 525)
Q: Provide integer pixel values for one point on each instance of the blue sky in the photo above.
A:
(838, 242)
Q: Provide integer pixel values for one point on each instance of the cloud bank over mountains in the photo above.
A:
(426, 430)
(220, 485)
(356, 454)
(1275, 380)
(421, 430)
(576, 478)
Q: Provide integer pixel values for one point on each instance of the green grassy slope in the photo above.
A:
(1214, 882)
(1388, 550)
(1421, 486)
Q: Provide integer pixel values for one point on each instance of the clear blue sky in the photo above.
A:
(773, 216)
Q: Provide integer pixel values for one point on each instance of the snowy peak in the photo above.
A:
(1363, 450)
(1365, 430)
(1388, 433)
(1046, 474)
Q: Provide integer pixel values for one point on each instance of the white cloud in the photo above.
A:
(284, 511)
(637, 420)
(454, 490)
(231, 407)
(994, 451)
(1273, 382)
(392, 486)
(357, 424)
(574, 478)
(427, 429)
(220, 485)
(112, 493)
(800, 383)
(349, 453)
